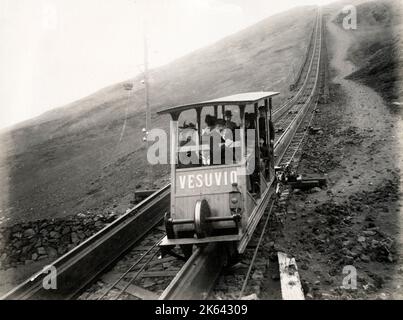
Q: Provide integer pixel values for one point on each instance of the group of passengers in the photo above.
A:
(223, 130)
(224, 146)
(223, 127)
(220, 134)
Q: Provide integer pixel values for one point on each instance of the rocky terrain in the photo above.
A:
(41, 239)
(29, 246)
(357, 219)
(354, 222)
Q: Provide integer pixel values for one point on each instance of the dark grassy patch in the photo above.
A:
(377, 51)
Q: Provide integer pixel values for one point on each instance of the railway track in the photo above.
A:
(124, 255)
(83, 264)
(140, 275)
(306, 85)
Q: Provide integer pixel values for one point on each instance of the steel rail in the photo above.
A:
(197, 277)
(285, 107)
(306, 58)
(284, 141)
(135, 264)
(83, 264)
(245, 283)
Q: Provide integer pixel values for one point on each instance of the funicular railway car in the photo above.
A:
(222, 171)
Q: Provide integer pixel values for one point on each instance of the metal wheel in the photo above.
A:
(202, 211)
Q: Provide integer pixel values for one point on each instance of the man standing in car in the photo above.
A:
(228, 121)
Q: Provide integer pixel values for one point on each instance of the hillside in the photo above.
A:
(378, 49)
(72, 159)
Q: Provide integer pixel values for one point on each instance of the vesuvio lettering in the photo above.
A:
(192, 181)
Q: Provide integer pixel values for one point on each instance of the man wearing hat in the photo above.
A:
(228, 123)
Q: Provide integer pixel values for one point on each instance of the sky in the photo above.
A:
(54, 52)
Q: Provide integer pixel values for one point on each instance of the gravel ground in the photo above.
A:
(357, 220)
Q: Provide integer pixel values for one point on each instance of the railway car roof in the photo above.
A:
(236, 99)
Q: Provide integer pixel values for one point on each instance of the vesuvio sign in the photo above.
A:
(206, 181)
(192, 181)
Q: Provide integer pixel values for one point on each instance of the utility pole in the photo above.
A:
(147, 102)
(146, 83)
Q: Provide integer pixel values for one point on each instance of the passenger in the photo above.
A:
(187, 134)
(250, 147)
(187, 140)
(264, 157)
(212, 138)
(221, 125)
(211, 123)
(262, 123)
(228, 121)
(272, 132)
(229, 144)
(217, 144)
(264, 150)
(249, 140)
(263, 146)
(249, 125)
(250, 121)
(210, 127)
(225, 132)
